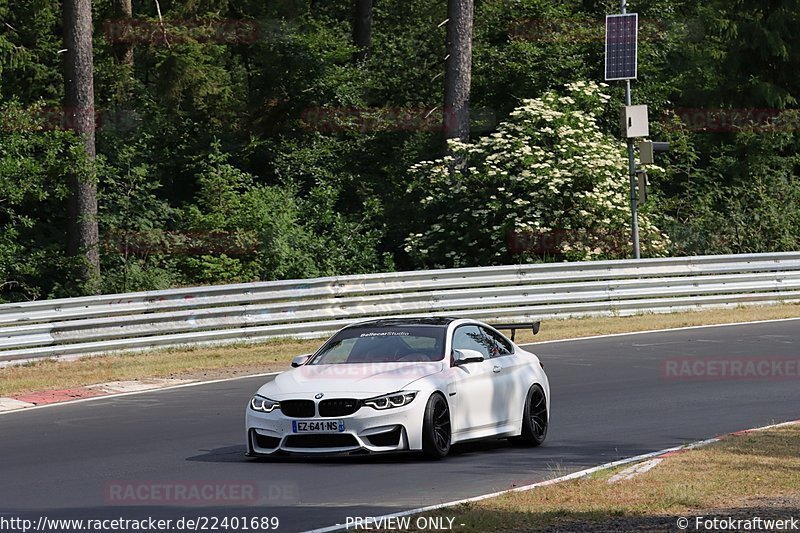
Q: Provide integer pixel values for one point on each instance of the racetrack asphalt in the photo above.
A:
(611, 398)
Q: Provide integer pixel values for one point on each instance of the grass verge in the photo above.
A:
(750, 475)
(193, 363)
(221, 362)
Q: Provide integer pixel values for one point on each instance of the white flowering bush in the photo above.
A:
(548, 184)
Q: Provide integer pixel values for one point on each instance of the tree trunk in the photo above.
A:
(459, 69)
(123, 15)
(362, 29)
(83, 234)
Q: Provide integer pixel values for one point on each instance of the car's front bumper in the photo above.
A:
(366, 431)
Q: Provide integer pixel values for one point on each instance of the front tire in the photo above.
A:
(436, 428)
(534, 418)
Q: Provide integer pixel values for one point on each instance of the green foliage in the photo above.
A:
(134, 223)
(230, 156)
(746, 200)
(754, 52)
(526, 48)
(282, 235)
(30, 64)
(36, 163)
(548, 173)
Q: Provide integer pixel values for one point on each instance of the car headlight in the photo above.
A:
(390, 401)
(263, 405)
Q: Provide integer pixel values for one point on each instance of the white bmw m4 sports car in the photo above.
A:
(404, 384)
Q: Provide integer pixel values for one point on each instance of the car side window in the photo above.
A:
(471, 338)
(498, 345)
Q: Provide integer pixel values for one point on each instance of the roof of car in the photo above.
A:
(411, 321)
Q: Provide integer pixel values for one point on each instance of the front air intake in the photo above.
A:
(333, 440)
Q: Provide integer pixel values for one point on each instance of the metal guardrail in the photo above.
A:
(253, 312)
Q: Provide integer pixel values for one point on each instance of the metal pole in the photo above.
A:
(632, 176)
(632, 168)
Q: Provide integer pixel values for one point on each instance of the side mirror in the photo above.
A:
(463, 357)
(300, 360)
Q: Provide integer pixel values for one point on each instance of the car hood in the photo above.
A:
(358, 380)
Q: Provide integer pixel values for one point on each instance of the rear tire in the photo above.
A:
(534, 418)
(436, 428)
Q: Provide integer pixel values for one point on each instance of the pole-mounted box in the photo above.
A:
(646, 156)
(648, 149)
(643, 182)
(634, 121)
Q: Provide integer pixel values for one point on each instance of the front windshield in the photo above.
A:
(383, 344)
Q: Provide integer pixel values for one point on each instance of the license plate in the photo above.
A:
(317, 426)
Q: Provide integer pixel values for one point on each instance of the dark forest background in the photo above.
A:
(242, 140)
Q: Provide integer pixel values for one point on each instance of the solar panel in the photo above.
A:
(622, 32)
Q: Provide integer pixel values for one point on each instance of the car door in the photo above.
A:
(474, 385)
(506, 373)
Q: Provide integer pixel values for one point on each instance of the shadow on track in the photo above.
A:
(236, 454)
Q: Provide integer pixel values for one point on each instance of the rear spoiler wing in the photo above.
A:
(533, 326)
